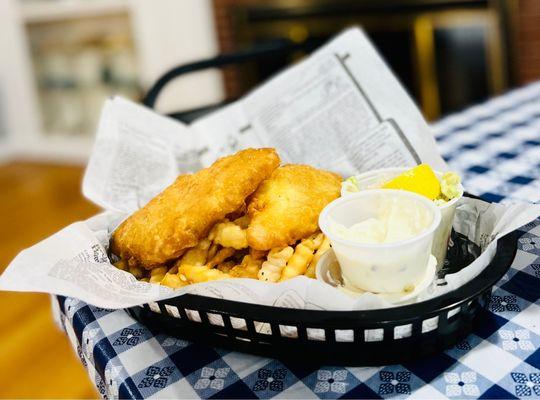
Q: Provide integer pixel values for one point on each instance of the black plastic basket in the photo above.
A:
(231, 324)
(337, 337)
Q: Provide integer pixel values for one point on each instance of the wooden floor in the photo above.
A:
(36, 360)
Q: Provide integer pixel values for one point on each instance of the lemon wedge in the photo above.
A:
(420, 179)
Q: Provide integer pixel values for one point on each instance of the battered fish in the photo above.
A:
(183, 214)
(286, 207)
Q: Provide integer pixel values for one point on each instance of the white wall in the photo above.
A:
(170, 33)
(166, 33)
(20, 114)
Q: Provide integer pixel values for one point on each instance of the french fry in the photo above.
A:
(220, 256)
(303, 254)
(195, 256)
(157, 274)
(257, 254)
(158, 271)
(226, 266)
(229, 234)
(121, 264)
(277, 259)
(208, 260)
(194, 268)
(203, 273)
(137, 272)
(325, 245)
(192, 260)
(172, 281)
(249, 268)
(214, 247)
(156, 278)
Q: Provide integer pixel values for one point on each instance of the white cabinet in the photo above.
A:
(59, 60)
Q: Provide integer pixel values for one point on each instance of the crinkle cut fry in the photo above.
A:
(197, 264)
(277, 259)
(203, 273)
(324, 247)
(157, 274)
(137, 272)
(226, 266)
(249, 268)
(194, 256)
(220, 256)
(195, 267)
(303, 254)
(173, 281)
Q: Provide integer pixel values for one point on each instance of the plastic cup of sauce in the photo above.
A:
(382, 238)
(376, 178)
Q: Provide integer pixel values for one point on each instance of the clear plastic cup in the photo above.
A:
(374, 179)
(395, 267)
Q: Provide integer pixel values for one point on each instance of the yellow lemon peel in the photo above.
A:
(420, 179)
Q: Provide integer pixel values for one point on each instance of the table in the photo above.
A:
(496, 149)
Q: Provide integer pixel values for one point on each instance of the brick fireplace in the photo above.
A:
(448, 53)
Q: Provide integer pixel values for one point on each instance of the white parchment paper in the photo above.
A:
(74, 262)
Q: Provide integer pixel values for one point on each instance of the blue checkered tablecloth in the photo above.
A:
(496, 148)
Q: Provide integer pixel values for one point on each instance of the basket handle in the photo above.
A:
(260, 51)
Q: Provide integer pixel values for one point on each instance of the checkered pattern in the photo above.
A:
(496, 148)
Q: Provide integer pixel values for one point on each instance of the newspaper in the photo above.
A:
(341, 109)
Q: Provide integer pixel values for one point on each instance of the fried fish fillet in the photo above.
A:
(286, 207)
(182, 215)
